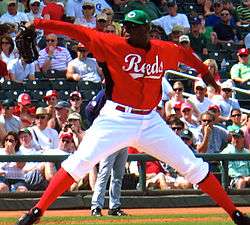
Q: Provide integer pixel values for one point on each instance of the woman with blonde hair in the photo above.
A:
(7, 48)
(213, 68)
(110, 14)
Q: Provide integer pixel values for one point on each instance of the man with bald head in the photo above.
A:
(53, 57)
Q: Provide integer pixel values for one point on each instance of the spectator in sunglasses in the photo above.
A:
(35, 10)
(11, 174)
(110, 14)
(88, 19)
(83, 67)
(7, 117)
(226, 102)
(240, 71)
(51, 98)
(236, 118)
(239, 171)
(43, 137)
(7, 48)
(53, 57)
(101, 21)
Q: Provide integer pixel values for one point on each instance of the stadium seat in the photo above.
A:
(10, 85)
(64, 95)
(56, 74)
(38, 85)
(62, 84)
(88, 85)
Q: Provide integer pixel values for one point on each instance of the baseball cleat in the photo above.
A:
(116, 212)
(33, 216)
(240, 219)
(96, 212)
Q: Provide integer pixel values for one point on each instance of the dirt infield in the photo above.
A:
(148, 211)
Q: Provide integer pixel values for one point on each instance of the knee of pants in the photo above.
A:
(77, 168)
(197, 171)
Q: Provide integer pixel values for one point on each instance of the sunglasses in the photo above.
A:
(87, 7)
(36, 4)
(176, 128)
(5, 43)
(82, 50)
(243, 56)
(110, 31)
(186, 110)
(50, 40)
(101, 21)
(52, 99)
(66, 141)
(12, 5)
(199, 89)
(227, 90)
(41, 117)
(206, 121)
(9, 140)
(178, 89)
(75, 99)
(236, 115)
(224, 14)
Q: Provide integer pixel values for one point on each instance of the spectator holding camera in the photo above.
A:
(61, 114)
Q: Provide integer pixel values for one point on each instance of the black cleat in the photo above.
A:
(116, 212)
(33, 216)
(240, 219)
(96, 212)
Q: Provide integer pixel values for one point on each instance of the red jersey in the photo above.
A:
(134, 74)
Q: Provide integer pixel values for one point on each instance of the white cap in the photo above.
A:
(227, 85)
(183, 38)
(200, 83)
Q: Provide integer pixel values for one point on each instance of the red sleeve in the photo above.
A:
(189, 58)
(96, 42)
(45, 10)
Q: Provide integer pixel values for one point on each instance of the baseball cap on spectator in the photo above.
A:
(86, 3)
(177, 105)
(137, 16)
(200, 83)
(171, 3)
(102, 16)
(50, 94)
(177, 28)
(8, 103)
(62, 104)
(74, 116)
(66, 135)
(186, 105)
(41, 111)
(242, 51)
(247, 41)
(184, 38)
(24, 99)
(24, 130)
(226, 85)
(75, 93)
(186, 134)
(195, 20)
(214, 107)
(237, 133)
(12, 2)
(34, 1)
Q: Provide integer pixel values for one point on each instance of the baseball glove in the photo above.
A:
(26, 43)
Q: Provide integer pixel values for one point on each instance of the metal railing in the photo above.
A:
(141, 158)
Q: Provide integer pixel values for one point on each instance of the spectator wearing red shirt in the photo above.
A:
(3, 69)
(53, 10)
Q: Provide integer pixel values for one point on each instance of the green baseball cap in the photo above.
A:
(137, 16)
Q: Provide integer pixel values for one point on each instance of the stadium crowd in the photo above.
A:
(53, 121)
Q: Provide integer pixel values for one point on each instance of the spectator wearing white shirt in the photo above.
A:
(13, 16)
(43, 137)
(74, 8)
(53, 57)
(19, 70)
(199, 100)
(7, 48)
(83, 67)
(35, 10)
(169, 21)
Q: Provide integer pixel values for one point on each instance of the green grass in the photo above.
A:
(179, 219)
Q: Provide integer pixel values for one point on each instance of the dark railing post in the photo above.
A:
(142, 175)
(224, 175)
